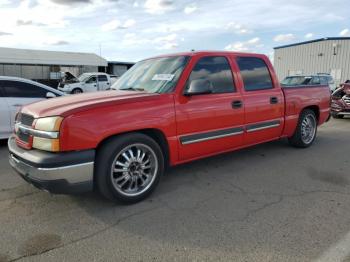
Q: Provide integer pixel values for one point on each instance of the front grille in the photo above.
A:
(23, 137)
(25, 119)
(346, 99)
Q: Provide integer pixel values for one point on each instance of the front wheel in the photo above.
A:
(306, 130)
(77, 91)
(129, 167)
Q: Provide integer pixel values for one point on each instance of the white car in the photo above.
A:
(16, 92)
(87, 82)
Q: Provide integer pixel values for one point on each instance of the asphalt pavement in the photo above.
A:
(271, 202)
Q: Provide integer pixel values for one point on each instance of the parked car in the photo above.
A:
(340, 106)
(319, 79)
(87, 82)
(167, 110)
(16, 92)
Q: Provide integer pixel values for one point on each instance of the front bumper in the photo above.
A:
(59, 173)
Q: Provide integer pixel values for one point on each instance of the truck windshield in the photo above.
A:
(83, 77)
(156, 75)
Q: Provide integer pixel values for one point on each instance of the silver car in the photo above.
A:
(16, 92)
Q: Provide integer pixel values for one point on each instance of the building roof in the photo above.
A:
(313, 41)
(41, 57)
(120, 63)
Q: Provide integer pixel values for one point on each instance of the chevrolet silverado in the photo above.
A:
(165, 111)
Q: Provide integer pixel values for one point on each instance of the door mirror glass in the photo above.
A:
(50, 95)
(199, 86)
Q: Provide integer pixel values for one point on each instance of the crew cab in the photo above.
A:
(166, 111)
(87, 82)
(340, 106)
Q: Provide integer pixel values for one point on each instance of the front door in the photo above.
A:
(212, 122)
(91, 84)
(263, 100)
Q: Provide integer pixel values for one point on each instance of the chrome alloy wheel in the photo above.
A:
(308, 128)
(134, 169)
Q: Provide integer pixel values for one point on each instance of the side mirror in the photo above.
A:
(199, 87)
(50, 95)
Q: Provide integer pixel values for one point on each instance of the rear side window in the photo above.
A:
(255, 73)
(315, 81)
(217, 70)
(22, 89)
(102, 78)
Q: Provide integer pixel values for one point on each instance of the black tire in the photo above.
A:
(338, 116)
(77, 91)
(107, 157)
(297, 140)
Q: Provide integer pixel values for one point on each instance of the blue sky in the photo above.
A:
(130, 30)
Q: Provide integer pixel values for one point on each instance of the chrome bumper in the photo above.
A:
(64, 179)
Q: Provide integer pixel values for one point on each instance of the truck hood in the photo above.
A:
(67, 105)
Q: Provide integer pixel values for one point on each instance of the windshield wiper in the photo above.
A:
(133, 88)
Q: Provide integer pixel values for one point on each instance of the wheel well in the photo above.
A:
(316, 110)
(155, 134)
(75, 88)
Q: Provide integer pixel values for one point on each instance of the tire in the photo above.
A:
(306, 130)
(77, 91)
(128, 181)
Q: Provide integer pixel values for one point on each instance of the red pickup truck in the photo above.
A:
(165, 111)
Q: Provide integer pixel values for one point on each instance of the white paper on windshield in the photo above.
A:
(163, 77)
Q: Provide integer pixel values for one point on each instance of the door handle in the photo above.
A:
(237, 104)
(273, 100)
(17, 105)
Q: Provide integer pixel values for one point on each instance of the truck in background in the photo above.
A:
(87, 82)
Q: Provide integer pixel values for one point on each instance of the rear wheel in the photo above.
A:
(306, 130)
(129, 167)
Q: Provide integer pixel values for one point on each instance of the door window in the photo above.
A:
(217, 70)
(255, 74)
(22, 89)
(315, 81)
(102, 78)
(91, 80)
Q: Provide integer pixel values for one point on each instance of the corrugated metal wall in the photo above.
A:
(38, 71)
(313, 58)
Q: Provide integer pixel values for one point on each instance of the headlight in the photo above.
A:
(46, 133)
(49, 123)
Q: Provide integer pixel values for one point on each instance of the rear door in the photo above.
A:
(103, 83)
(19, 93)
(5, 120)
(210, 123)
(263, 100)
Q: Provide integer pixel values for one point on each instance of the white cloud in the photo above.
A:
(247, 46)
(116, 24)
(345, 32)
(158, 6)
(284, 38)
(167, 42)
(237, 28)
(309, 35)
(190, 9)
